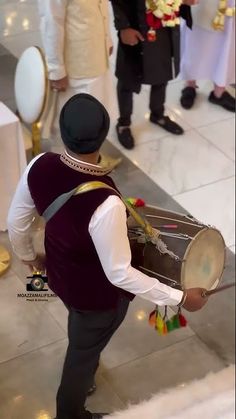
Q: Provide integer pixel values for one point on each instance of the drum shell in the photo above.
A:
(147, 256)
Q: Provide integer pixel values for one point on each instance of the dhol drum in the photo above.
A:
(194, 255)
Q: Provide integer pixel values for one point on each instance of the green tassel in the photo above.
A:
(175, 321)
(169, 325)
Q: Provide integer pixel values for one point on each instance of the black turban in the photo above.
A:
(84, 124)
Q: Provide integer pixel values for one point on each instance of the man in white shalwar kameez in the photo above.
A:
(77, 44)
(208, 53)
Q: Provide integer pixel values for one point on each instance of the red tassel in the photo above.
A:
(182, 321)
(139, 203)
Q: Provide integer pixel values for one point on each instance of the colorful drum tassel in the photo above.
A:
(163, 325)
(152, 318)
(182, 320)
(159, 324)
(135, 202)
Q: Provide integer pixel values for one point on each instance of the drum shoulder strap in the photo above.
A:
(52, 209)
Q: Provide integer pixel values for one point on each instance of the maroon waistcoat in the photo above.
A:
(74, 270)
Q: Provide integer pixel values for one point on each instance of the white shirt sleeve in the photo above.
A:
(52, 25)
(20, 217)
(108, 229)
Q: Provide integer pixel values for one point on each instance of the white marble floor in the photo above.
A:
(197, 169)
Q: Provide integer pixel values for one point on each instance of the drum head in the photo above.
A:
(204, 260)
(31, 85)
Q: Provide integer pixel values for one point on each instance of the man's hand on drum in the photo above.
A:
(194, 299)
(60, 85)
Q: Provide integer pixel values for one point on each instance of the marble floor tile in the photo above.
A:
(16, 44)
(16, 266)
(3, 51)
(11, 104)
(132, 182)
(58, 311)
(135, 338)
(23, 325)
(220, 337)
(213, 204)
(18, 17)
(8, 65)
(104, 399)
(30, 393)
(183, 163)
(222, 135)
(172, 366)
(28, 384)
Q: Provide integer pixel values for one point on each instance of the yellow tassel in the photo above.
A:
(159, 324)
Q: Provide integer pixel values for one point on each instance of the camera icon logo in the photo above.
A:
(37, 282)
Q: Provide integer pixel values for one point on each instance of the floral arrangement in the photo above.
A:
(161, 13)
(223, 11)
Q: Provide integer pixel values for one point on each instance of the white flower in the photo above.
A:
(160, 8)
(170, 23)
(158, 13)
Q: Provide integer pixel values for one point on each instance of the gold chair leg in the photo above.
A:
(36, 146)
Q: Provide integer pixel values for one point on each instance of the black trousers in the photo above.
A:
(88, 333)
(125, 102)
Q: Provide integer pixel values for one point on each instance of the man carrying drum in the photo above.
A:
(88, 256)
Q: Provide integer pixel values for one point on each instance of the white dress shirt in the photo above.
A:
(108, 230)
(52, 24)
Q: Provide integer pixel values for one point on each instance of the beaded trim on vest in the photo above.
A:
(82, 166)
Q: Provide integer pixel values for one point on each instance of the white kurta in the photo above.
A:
(208, 54)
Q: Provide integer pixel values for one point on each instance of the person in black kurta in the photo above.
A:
(142, 62)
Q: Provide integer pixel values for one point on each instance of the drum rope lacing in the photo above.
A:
(150, 234)
(174, 283)
(176, 220)
(180, 236)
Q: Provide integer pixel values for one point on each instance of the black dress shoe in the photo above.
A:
(226, 101)
(188, 97)
(125, 137)
(166, 123)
